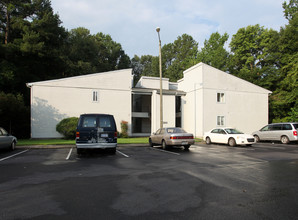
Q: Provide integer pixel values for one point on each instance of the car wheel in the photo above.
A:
(208, 140)
(186, 147)
(113, 150)
(13, 145)
(150, 143)
(79, 151)
(284, 139)
(164, 145)
(232, 142)
(257, 138)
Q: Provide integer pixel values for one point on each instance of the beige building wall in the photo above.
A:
(169, 115)
(54, 100)
(245, 105)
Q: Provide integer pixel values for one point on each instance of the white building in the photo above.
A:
(205, 98)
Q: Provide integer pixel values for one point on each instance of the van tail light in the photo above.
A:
(295, 133)
(78, 134)
(115, 134)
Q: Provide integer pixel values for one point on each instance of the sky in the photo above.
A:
(133, 23)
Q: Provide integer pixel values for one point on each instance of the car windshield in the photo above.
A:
(233, 131)
(175, 130)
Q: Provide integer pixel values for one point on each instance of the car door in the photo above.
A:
(4, 139)
(154, 137)
(160, 136)
(215, 136)
(264, 133)
(275, 132)
(222, 136)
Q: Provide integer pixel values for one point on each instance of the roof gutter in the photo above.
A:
(29, 85)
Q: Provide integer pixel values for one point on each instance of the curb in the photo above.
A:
(71, 146)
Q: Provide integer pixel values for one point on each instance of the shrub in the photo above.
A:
(67, 127)
(124, 128)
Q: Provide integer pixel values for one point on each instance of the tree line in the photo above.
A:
(35, 47)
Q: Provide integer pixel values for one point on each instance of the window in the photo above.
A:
(222, 131)
(266, 128)
(105, 122)
(220, 97)
(89, 122)
(276, 127)
(287, 127)
(95, 96)
(220, 120)
(214, 131)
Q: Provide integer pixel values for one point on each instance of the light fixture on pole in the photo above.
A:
(160, 75)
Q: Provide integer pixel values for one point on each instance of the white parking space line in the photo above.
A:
(164, 151)
(122, 153)
(68, 156)
(5, 158)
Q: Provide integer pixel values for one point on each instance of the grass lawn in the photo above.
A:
(26, 142)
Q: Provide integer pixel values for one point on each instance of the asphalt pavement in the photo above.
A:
(139, 182)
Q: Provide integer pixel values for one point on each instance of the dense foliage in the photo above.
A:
(67, 127)
(265, 57)
(35, 46)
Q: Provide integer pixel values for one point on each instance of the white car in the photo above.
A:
(228, 136)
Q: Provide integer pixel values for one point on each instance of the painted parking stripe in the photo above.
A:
(68, 156)
(122, 153)
(5, 158)
(153, 148)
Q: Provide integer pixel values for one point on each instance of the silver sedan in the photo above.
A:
(7, 140)
(171, 137)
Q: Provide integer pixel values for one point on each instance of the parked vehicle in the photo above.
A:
(284, 132)
(171, 137)
(96, 131)
(7, 140)
(228, 136)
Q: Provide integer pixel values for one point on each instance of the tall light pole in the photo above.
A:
(160, 75)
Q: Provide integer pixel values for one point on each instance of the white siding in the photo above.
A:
(51, 101)
(152, 83)
(245, 105)
(169, 115)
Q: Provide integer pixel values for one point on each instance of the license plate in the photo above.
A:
(104, 135)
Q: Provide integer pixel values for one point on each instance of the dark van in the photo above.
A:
(96, 131)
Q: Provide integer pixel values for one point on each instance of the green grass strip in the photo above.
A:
(27, 142)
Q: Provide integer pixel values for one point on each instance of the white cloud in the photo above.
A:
(132, 23)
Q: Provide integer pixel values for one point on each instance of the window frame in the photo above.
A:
(95, 96)
(220, 97)
(220, 120)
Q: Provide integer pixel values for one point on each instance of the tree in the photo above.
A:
(86, 53)
(31, 50)
(284, 99)
(14, 115)
(179, 56)
(145, 65)
(254, 56)
(290, 9)
(213, 53)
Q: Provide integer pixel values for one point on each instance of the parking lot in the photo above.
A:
(139, 182)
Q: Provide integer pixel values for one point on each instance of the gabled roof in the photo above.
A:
(215, 78)
(60, 81)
